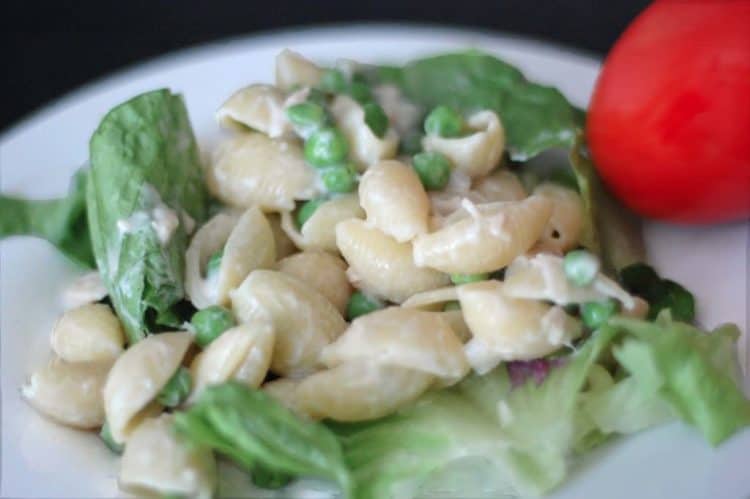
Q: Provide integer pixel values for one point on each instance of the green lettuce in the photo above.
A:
(624, 407)
(661, 294)
(525, 434)
(535, 117)
(262, 436)
(693, 371)
(62, 221)
(142, 154)
(610, 229)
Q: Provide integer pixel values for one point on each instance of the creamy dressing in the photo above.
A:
(157, 215)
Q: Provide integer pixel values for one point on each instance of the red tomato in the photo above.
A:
(669, 121)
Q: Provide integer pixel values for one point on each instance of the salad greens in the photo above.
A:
(535, 117)
(62, 221)
(694, 372)
(143, 156)
(661, 294)
(262, 436)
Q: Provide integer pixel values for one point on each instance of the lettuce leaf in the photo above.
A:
(693, 371)
(143, 153)
(524, 435)
(62, 222)
(610, 230)
(262, 436)
(535, 117)
(661, 294)
(625, 407)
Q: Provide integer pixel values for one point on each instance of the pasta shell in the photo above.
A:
(319, 232)
(483, 238)
(325, 272)
(248, 244)
(455, 319)
(476, 154)
(403, 337)
(260, 107)
(505, 328)
(284, 390)
(403, 114)
(433, 299)
(88, 288)
(283, 244)
(542, 277)
(157, 462)
(69, 393)
(501, 185)
(380, 265)
(242, 353)
(251, 169)
(358, 391)
(565, 226)
(138, 376)
(303, 319)
(394, 200)
(293, 70)
(365, 148)
(90, 333)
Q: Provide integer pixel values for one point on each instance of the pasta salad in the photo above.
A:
(379, 272)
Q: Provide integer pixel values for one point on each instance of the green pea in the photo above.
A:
(433, 169)
(361, 304)
(333, 81)
(214, 262)
(444, 122)
(326, 147)
(306, 211)
(307, 115)
(375, 118)
(451, 305)
(581, 267)
(360, 92)
(106, 435)
(177, 388)
(339, 178)
(595, 314)
(210, 322)
(411, 144)
(468, 278)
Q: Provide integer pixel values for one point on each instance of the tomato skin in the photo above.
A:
(669, 121)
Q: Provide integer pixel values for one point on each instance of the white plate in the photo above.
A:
(38, 156)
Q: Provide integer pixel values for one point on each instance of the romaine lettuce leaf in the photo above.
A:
(62, 221)
(263, 437)
(610, 229)
(143, 153)
(535, 117)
